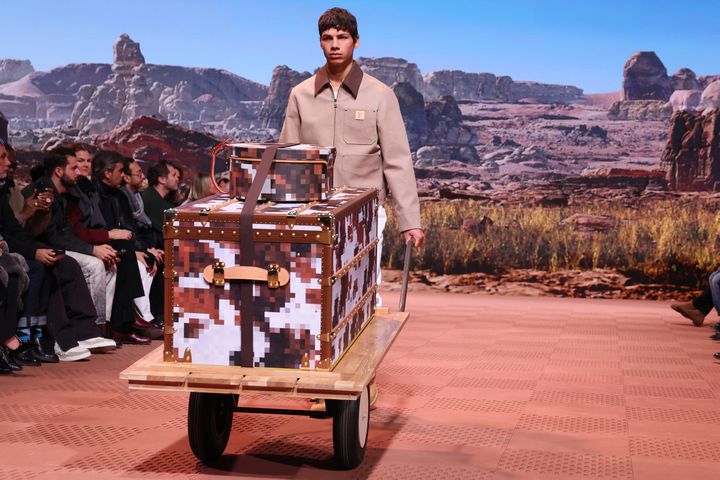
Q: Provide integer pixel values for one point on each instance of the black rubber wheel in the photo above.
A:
(351, 423)
(210, 418)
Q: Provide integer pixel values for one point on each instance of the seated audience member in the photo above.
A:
(94, 219)
(109, 169)
(13, 282)
(200, 187)
(145, 236)
(33, 316)
(223, 181)
(163, 179)
(96, 261)
(70, 313)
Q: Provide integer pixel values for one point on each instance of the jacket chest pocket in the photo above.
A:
(360, 126)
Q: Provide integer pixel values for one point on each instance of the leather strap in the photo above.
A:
(254, 274)
(247, 252)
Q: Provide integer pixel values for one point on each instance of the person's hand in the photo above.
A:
(415, 233)
(45, 199)
(46, 256)
(142, 258)
(120, 234)
(105, 253)
(157, 253)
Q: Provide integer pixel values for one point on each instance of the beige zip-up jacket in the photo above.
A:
(366, 128)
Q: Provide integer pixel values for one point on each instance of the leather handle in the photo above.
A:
(216, 274)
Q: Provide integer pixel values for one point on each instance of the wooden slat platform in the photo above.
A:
(354, 371)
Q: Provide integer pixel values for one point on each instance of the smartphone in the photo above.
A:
(58, 251)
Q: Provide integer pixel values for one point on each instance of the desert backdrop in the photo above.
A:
(527, 188)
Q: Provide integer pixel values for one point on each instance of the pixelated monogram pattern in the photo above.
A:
(355, 231)
(347, 334)
(294, 179)
(286, 182)
(286, 320)
(296, 152)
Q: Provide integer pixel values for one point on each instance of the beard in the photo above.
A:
(67, 182)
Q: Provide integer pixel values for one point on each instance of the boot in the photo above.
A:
(42, 352)
(688, 310)
(6, 360)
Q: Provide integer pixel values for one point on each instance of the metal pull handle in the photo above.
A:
(216, 274)
(406, 273)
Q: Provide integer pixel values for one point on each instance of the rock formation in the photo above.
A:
(685, 99)
(692, 155)
(684, 79)
(710, 98)
(391, 70)
(3, 128)
(461, 85)
(645, 78)
(68, 94)
(11, 70)
(640, 110)
(126, 55)
(150, 139)
(283, 80)
(446, 138)
(121, 97)
(486, 86)
(412, 107)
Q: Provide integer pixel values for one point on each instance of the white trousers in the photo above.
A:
(101, 283)
(382, 220)
(142, 304)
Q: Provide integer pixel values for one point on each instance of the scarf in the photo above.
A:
(137, 206)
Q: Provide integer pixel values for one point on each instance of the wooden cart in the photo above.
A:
(215, 390)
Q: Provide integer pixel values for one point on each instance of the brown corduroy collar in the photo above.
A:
(351, 82)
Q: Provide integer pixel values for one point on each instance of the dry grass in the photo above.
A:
(660, 242)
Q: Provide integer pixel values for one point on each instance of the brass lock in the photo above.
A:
(218, 274)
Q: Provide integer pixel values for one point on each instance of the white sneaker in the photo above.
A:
(75, 353)
(98, 344)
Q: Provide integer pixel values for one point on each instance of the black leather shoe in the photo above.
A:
(25, 355)
(716, 355)
(4, 365)
(7, 359)
(131, 338)
(42, 353)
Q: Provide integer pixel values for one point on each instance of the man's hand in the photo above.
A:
(120, 234)
(142, 258)
(415, 233)
(157, 253)
(46, 256)
(105, 253)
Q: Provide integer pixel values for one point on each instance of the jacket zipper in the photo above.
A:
(335, 95)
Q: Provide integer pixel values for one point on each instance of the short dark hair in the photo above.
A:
(161, 169)
(103, 161)
(54, 160)
(338, 18)
(37, 171)
(57, 157)
(77, 147)
(64, 151)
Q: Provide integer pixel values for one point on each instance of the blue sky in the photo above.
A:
(580, 43)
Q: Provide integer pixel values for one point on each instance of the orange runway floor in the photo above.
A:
(475, 387)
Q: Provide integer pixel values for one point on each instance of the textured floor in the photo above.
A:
(475, 387)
